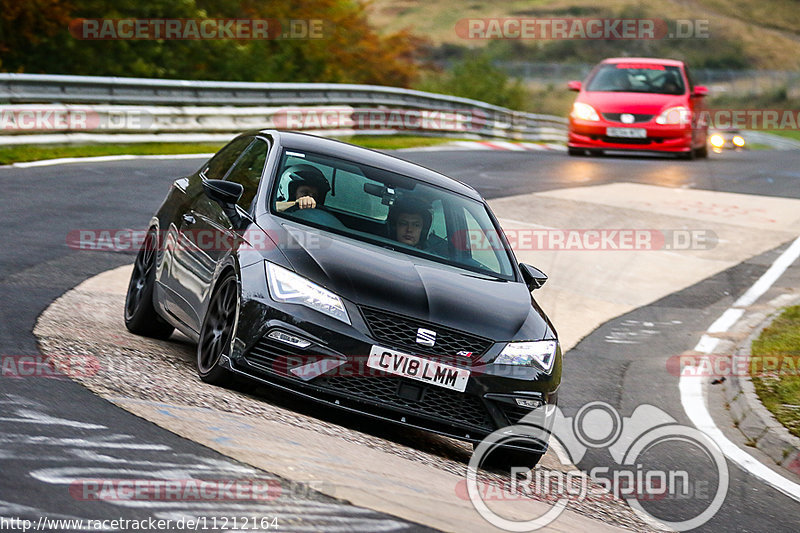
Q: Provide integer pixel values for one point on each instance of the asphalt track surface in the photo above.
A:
(52, 424)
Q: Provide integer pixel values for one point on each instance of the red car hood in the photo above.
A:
(644, 103)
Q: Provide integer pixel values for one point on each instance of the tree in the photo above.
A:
(350, 50)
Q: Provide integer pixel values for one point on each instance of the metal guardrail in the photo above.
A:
(184, 106)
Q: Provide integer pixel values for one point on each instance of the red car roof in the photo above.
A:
(649, 60)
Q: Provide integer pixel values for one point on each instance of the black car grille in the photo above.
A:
(436, 402)
(515, 413)
(637, 117)
(401, 332)
(625, 140)
(273, 355)
(383, 390)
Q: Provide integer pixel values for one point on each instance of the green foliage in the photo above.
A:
(777, 98)
(351, 51)
(477, 78)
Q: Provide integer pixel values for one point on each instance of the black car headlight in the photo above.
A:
(288, 287)
(533, 353)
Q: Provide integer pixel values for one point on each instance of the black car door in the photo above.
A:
(207, 235)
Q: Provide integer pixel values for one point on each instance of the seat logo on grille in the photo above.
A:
(627, 118)
(426, 337)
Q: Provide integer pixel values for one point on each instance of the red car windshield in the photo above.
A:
(637, 78)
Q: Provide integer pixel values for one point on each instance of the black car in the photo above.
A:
(350, 277)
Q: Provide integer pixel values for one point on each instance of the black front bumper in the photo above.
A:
(488, 403)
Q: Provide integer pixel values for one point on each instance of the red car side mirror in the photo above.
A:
(700, 90)
(574, 85)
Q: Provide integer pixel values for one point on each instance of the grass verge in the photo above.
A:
(791, 134)
(775, 371)
(395, 142)
(29, 152)
(22, 153)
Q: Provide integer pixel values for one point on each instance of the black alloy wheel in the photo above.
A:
(141, 316)
(216, 335)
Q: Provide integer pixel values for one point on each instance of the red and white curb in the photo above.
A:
(492, 145)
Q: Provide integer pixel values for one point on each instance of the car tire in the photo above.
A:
(702, 152)
(688, 156)
(595, 153)
(141, 316)
(575, 151)
(218, 331)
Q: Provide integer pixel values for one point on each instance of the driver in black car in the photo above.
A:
(307, 188)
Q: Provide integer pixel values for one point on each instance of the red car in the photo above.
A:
(638, 104)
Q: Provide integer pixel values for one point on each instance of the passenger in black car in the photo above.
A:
(410, 221)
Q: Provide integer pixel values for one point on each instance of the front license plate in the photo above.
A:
(411, 366)
(628, 133)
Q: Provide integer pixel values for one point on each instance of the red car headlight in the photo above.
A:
(675, 115)
(583, 111)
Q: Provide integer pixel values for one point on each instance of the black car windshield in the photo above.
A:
(637, 78)
(390, 210)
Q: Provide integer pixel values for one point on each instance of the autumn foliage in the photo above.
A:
(34, 38)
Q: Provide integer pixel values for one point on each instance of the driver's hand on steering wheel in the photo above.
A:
(305, 202)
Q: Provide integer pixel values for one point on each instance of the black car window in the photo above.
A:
(483, 248)
(378, 207)
(637, 78)
(217, 166)
(247, 171)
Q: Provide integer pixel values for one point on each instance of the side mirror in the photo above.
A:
(574, 85)
(223, 192)
(700, 90)
(534, 278)
(226, 194)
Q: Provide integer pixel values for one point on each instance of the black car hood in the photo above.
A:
(372, 276)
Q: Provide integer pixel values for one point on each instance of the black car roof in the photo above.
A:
(313, 143)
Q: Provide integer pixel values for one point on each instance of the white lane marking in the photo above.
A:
(692, 389)
(101, 159)
(87, 443)
(35, 417)
(13, 399)
(521, 223)
(636, 332)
